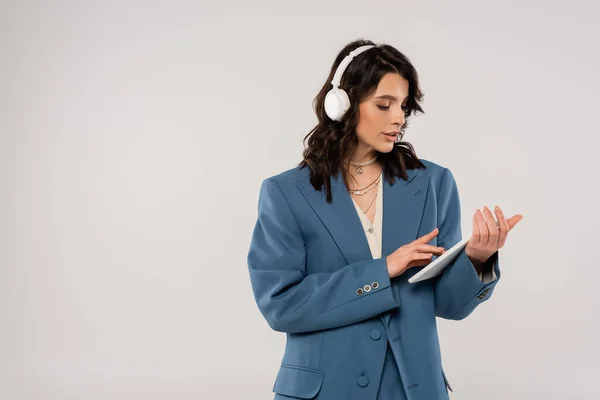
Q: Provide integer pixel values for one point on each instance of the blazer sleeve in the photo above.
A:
(292, 300)
(459, 290)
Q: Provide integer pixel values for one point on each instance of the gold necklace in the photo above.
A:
(359, 165)
(370, 186)
(372, 201)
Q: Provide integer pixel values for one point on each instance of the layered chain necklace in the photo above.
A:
(370, 186)
(366, 189)
(359, 170)
(368, 208)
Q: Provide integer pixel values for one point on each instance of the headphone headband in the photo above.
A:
(344, 64)
(336, 100)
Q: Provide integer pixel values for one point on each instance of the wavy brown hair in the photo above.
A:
(330, 142)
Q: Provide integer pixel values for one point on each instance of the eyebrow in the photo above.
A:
(389, 97)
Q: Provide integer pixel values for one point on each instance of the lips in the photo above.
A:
(390, 137)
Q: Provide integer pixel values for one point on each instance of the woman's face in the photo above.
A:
(383, 112)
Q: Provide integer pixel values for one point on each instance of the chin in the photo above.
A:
(384, 147)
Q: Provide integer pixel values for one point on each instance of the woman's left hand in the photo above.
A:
(488, 236)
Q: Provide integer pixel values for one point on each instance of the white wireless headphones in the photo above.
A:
(336, 100)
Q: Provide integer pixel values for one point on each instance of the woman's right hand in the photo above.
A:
(413, 254)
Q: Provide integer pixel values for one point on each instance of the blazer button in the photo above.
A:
(362, 381)
(367, 288)
(359, 291)
(375, 285)
(375, 334)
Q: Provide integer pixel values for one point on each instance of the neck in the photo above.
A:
(362, 155)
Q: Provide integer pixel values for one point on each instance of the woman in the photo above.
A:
(338, 237)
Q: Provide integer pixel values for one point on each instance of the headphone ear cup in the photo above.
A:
(336, 103)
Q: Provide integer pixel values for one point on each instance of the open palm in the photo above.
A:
(488, 235)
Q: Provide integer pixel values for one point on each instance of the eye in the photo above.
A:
(383, 107)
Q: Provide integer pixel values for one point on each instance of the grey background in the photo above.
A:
(133, 139)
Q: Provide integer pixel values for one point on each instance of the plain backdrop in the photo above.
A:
(134, 136)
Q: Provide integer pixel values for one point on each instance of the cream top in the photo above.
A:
(373, 231)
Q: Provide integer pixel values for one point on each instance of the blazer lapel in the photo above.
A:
(403, 204)
(402, 210)
(339, 217)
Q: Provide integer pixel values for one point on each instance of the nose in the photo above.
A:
(399, 116)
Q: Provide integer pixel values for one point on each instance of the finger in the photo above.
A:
(484, 234)
(512, 221)
(492, 227)
(428, 237)
(503, 226)
(476, 235)
(421, 256)
(427, 248)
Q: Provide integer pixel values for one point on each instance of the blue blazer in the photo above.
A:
(307, 260)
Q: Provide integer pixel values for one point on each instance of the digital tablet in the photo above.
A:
(436, 267)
